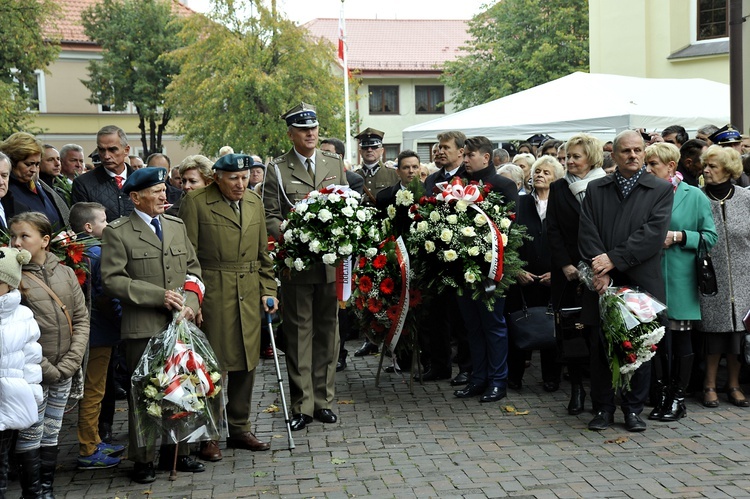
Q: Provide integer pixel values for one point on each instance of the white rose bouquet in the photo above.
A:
(465, 238)
(327, 226)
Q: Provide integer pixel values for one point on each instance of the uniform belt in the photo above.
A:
(252, 266)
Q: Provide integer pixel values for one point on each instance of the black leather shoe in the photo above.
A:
(461, 379)
(341, 364)
(470, 390)
(493, 394)
(601, 421)
(325, 416)
(120, 393)
(185, 464)
(143, 473)
(367, 348)
(551, 386)
(577, 398)
(299, 421)
(633, 422)
(516, 385)
(432, 375)
(105, 433)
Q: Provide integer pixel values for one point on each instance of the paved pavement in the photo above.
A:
(390, 443)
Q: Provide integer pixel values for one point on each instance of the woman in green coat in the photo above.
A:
(691, 221)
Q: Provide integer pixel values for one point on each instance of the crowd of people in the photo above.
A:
(635, 210)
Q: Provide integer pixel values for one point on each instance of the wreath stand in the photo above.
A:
(415, 367)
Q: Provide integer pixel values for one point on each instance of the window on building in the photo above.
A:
(383, 99)
(429, 99)
(424, 151)
(390, 151)
(712, 19)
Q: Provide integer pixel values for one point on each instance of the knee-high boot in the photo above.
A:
(29, 464)
(6, 438)
(680, 379)
(49, 463)
(663, 400)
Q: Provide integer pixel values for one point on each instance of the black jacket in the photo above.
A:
(97, 186)
(500, 184)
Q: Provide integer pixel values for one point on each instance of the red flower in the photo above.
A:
(362, 262)
(487, 188)
(365, 284)
(392, 313)
(417, 217)
(423, 200)
(271, 243)
(413, 208)
(81, 275)
(360, 302)
(654, 348)
(379, 261)
(75, 252)
(512, 215)
(415, 297)
(374, 306)
(387, 286)
(627, 345)
(631, 358)
(378, 328)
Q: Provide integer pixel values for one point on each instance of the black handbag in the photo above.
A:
(532, 328)
(705, 269)
(572, 334)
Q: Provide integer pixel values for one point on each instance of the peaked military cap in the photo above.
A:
(370, 137)
(725, 135)
(301, 116)
(144, 178)
(233, 163)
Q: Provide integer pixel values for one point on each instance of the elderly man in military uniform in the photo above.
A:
(309, 305)
(238, 274)
(146, 256)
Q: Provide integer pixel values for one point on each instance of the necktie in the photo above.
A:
(236, 208)
(308, 164)
(157, 227)
(446, 176)
(119, 181)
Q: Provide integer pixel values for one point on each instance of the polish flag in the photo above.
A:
(342, 32)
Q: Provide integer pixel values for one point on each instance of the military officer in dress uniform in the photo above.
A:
(309, 305)
(238, 274)
(146, 256)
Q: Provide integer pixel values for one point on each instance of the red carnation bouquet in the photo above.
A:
(383, 300)
(71, 248)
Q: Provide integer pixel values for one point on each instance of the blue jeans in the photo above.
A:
(488, 341)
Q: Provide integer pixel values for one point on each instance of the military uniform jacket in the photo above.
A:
(385, 177)
(287, 182)
(137, 268)
(237, 271)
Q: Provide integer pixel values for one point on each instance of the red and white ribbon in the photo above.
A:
(394, 333)
(455, 191)
(496, 265)
(181, 390)
(344, 279)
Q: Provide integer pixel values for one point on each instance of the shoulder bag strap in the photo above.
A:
(54, 297)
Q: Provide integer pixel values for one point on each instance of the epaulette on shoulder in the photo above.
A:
(279, 159)
(118, 222)
(330, 154)
(172, 218)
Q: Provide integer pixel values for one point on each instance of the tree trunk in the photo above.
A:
(142, 127)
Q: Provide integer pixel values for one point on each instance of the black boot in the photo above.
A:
(681, 377)
(341, 364)
(29, 464)
(661, 387)
(6, 438)
(577, 397)
(49, 463)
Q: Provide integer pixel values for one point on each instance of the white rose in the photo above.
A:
(488, 257)
(422, 226)
(334, 198)
(452, 219)
(329, 258)
(429, 246)
(324, 215)
(346, 249)
(282, 225)
(496, 209)
(301, 208)
(352, 200)
(504, 223)
(358, 231)
(434, 216)
(461, 206)
(362, 215)
(308, 216)
(347, 211)
(299, 264)
(473, 251)
(446, 235)
(315, 246)
(313, 194)
(479, 220)
(450, 255)
(336, 231)
(505, 239)
(470, 277)
(371, 252)
(404, 198)
(468, 232)
(289, 262)
(304, 237)
(391, 211)
(488, 237)
(372, 233)
(289, 235)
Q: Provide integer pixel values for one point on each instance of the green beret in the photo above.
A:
(144, 178)
(234, 162)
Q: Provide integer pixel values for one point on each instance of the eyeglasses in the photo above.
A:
(364, 148)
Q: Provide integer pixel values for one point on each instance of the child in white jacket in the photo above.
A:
(20, 358)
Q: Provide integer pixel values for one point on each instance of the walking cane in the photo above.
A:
(269, 304)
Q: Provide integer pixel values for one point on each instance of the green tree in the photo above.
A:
(518, 44)
(134, 34)
(25, 48)
(240, 72)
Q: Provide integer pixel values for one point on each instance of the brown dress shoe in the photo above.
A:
(247, 441)
(209, 451)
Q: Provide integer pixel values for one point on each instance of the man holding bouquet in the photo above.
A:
(310, 306)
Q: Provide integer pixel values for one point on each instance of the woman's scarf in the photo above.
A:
(578, 185)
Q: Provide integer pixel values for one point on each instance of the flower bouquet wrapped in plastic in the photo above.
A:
(177, 387)
(631, 328)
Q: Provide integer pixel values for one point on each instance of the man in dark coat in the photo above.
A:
(624, 220)
(407, 169)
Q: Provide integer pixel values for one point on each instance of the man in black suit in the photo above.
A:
(336, 146)
(443, 317)
(624, 220)
(407, 169)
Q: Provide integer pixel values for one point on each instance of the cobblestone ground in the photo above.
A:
(390, 443)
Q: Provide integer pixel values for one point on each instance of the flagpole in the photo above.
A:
(342, 42)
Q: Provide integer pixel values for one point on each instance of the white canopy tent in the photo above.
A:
(600, 104)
